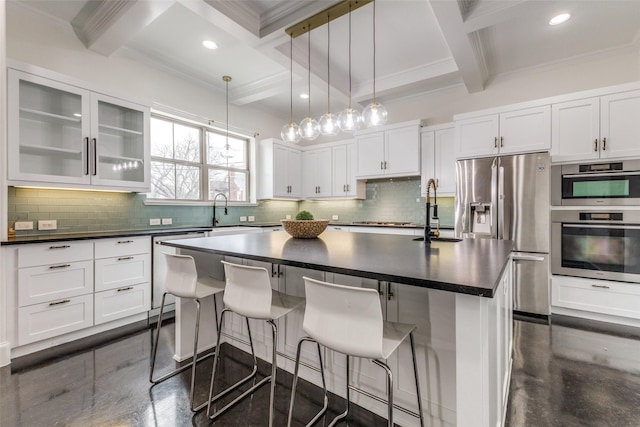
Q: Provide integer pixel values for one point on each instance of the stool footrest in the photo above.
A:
(239, 398)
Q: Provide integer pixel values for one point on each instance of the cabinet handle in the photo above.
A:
(495, 142)
(385, 164)
(347, 187)
(64, 301)
(344, 188)
(95, 157)
(52, 267)
(125, 241)
(389, 293)
(595, 145)
(86, 164)
(604, 144)
(381, 165)
(59, 247)
(380, 290)
(600, 286)
(128, 288)
(124, 258)
(501, 141)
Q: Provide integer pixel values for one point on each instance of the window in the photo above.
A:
(183, 167)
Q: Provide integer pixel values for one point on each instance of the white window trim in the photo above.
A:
(252, 166)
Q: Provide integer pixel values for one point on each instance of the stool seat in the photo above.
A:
(206, 286)
(393, 334)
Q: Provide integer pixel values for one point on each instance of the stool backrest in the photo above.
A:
(182, 276)
(344, 318)
(248, 290)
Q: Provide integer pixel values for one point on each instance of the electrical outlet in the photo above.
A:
(154, 221)
(23, 225)
(252, 218)
(334, 217)
(287, 217)
(167, 221)
(48, 224)
(243, 219)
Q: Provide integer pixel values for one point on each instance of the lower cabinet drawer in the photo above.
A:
(118, 272)
(49, 282)
(598, 296)
(40, 321)
(122, 302)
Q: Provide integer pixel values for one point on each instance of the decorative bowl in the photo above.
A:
(304, 228)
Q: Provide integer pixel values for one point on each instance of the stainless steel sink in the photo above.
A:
(439, 239)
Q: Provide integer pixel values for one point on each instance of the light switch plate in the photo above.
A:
(23, 225)
(167, 221)
(252, 218)
(287, 217)
(154, 221)
(334, 217)
(47, 224)
(243, 219)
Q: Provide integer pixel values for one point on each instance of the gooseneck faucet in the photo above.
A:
(427, 227)
(226, 202)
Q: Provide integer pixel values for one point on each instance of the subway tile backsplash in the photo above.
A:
(87, 211)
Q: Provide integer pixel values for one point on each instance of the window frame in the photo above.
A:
(204, 166)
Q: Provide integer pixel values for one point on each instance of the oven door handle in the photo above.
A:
(590, 225)
(523, 257)
(611, 174)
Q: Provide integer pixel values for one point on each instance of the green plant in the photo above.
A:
(304, 215)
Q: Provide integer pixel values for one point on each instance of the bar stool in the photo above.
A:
(248, 293)
(183, 281)
(349, 320)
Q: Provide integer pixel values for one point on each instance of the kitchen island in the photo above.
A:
(458, 293)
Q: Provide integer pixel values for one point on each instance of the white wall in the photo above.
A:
(36, 40)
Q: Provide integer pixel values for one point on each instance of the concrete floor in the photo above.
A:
(562, 375)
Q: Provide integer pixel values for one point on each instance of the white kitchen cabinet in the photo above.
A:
(63, 135)
(122, 278)
(344, 161)
(392, 151)
(603, 300)
(509, 132)
(317, 166)
(619, 125)
(280, 171)
(439, 159)
(55, 289)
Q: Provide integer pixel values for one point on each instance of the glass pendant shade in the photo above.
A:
(290, 133)
(329, 124)
(350, 120)
(374, 115)
(309, 128)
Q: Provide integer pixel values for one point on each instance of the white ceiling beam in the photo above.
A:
(104, 26)
(465, 48)
(489, 14)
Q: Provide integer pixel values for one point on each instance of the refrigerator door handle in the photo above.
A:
(500, 202)
(523, 257)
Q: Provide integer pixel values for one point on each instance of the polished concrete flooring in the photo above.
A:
(562, 376)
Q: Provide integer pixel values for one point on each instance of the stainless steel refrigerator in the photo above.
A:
(507, 197)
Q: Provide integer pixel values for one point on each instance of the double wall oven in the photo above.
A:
(596, 242)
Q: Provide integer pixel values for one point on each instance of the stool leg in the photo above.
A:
(295, 383)
(195, 355)
(389, 390)
(346, 411)
(415, 372)
(215, 364)
(154, 350)
(274, 368)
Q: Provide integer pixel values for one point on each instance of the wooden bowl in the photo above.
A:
(304, 228)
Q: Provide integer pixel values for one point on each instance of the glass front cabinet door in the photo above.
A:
(64, 135)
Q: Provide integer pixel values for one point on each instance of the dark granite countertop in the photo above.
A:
(471, 266)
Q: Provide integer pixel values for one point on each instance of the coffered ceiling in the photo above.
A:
(421, 45)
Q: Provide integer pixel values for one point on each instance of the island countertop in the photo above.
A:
(471, 266)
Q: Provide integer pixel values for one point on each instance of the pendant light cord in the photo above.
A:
(374, 51)
(349, 55)
(291, 79)
(328, 64)
(309, 66)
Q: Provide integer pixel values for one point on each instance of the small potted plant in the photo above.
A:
(304, 226)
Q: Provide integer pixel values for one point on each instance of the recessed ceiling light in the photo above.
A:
(304, 96)
(559, 19)
(210, 44)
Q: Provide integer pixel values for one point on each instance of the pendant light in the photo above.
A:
(329, 124)
(227, 148)
(374, 114)
(309, 128)
(291, 132)
(350, 118)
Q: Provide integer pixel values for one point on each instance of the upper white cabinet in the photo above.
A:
(389, 152)
(280, 170)
(508, 132)
(64, 135)
(317, 173)
(344, 172)
(596, 128)
(438, 158)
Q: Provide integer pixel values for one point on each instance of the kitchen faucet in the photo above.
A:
(427, 226)
(226, 202)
